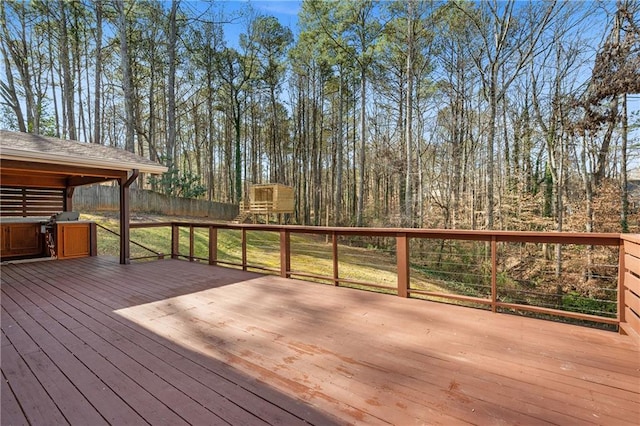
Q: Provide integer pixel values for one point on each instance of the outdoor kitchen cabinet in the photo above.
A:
(20, 239)
(75, 239)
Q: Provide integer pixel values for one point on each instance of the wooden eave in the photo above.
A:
(43, 175)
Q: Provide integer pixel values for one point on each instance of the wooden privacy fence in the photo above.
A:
(103, 197)
(620, 274)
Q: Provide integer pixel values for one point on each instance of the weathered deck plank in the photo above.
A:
(177, 342)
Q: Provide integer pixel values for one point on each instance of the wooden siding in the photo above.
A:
(89, 341)
(630, 297)
(26, 202)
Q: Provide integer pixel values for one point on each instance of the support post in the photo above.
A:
(402, 259)
(244, 249)
(93, 239)
(125, 248)
(494, 273)
(68, 198)
(285, 254)
(175, 241)
(334, 255)
(213, 245)
(621, 286)
(191, 243)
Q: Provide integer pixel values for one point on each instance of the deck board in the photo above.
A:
(173, 342)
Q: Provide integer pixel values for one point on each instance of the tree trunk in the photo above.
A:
(97, 98)
(171, 86)
(363, 146)
(624, 190)
(67, 81)
(408, 207)
(337, 198)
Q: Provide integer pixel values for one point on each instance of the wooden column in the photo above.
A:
(402, 260)
(621, 285)
(494, 273)
(243, 240)
(125, 248)
(68, 198)
(93, 237)
(334, 255)
(191, 243)
(175, 241)
(213, 245)
(285, 254)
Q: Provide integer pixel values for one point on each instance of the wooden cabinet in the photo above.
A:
(20, 239)
(75, 239)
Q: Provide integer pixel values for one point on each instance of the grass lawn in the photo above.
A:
(310, 254)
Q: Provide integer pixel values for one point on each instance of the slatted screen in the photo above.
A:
(26, 202)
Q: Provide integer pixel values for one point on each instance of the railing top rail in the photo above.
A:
(449, 234)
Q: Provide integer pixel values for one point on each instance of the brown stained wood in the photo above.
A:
(334, 259)
(27, 168)
(580, 238)
(635, 238)
(38, 407)
(632, 301)
(632, 283)
(403, 267)
(186, 408)
(285, 254)
(633, 319)
(632, 263)
(285, 351)
(11, 410)
(632, 247)
(213, 245)
(229, 394)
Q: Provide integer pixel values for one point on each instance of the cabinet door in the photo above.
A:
(73, 240)
(4, 240)
(21, 239)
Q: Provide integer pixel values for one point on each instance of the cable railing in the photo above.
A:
(155, 255)
(502, 271)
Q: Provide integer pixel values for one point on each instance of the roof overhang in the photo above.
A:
(83, 162)
(19, 173)
(28, 160)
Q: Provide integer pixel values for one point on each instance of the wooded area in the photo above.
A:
(495, 114)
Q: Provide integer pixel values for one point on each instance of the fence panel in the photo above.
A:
(106, 198)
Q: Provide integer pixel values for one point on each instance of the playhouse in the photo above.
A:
(266, 199)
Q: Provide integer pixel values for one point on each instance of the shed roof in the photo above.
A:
(17, 146)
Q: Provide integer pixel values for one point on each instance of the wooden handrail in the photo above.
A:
(402, 238)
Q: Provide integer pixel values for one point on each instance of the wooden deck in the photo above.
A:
(89, 341)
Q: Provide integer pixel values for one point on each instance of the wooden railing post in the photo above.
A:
(402, 259)
(191, 243)
(213, 245)
(334, 255)
(175, 241)
(285, 253)
(244, 249)
(494, 273)
(621, 286)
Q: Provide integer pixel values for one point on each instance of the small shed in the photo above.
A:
(39, 174)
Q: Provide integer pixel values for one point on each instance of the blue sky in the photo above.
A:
(285, 10)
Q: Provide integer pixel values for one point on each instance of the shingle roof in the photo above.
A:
(36, 148)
